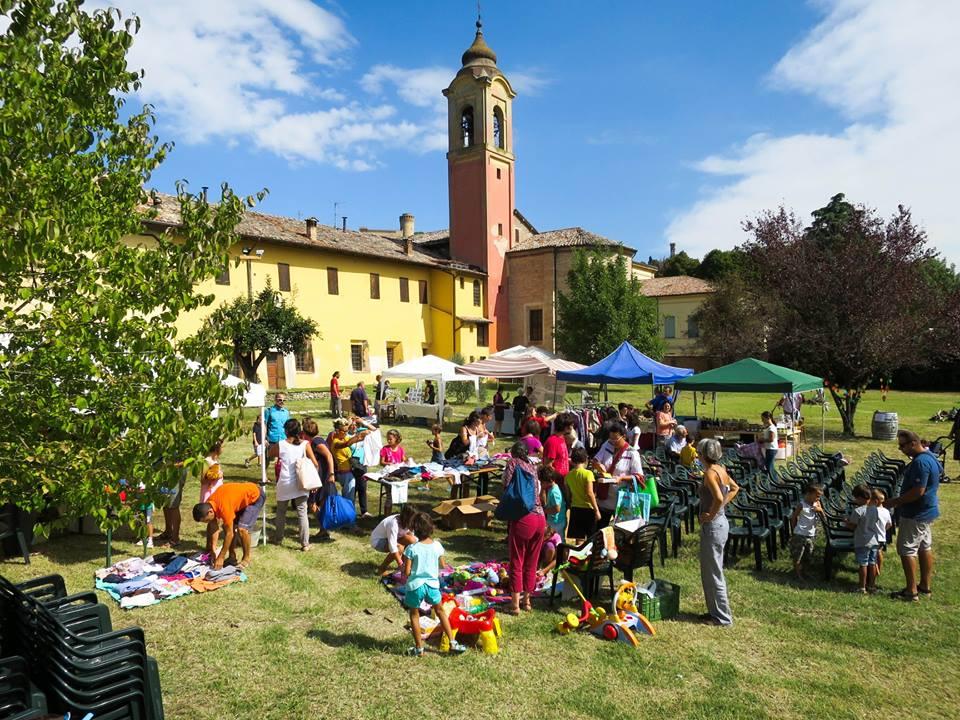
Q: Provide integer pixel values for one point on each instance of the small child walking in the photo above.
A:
(804, 523)
(436, 444)
(257, 442)
(422, 561)
(878, 497)
(212, 472)
(866, 523)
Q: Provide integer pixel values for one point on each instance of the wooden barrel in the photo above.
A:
(885, 425)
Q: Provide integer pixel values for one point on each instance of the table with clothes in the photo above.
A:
(394, 480)
(406, 409)
(139, 582)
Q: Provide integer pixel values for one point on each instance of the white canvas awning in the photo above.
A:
(431, 367)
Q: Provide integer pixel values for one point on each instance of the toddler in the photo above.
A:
(392, 453)
(257, 442)
(878, 498)
(804, 524)
(392, 536)
(555, 510)
(436, 444)
(422, 561)
(212, 472)
(584, 511)
(866, 524)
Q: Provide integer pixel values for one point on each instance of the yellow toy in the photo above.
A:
(485, 626)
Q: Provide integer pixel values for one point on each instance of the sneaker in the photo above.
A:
(456, 647)
(150, 543)
(415, 652)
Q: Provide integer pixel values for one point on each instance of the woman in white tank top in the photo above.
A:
(290, 450)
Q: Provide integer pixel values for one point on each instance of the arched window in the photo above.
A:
(466, 126)
(498, 129)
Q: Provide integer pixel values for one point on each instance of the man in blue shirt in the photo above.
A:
(275, 418)
(359, 402)
(660, 399)
(918, 508)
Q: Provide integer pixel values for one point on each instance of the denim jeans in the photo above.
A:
(348, 485)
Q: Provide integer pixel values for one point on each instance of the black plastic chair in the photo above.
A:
(593, 568)
(636, 550)
(9, 527)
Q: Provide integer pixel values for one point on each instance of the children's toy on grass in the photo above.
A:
(480, 629)
(625, 624)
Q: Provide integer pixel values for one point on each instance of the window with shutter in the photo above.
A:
(374, 286)
(283, 276)
(333, 281)
(404, 290)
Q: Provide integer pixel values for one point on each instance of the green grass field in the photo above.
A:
(312, 635)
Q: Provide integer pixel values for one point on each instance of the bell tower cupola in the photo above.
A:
(480, 165)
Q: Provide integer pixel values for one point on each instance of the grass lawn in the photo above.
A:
(312, 635)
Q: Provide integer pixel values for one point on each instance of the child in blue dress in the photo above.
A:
(422, 561)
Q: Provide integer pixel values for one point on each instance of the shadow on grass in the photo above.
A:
(349, 639)
(360, 569)
(813, 579)
(480, 548)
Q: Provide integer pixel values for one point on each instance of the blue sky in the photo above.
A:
(644, 122)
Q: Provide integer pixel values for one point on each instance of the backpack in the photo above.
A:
(519, 498)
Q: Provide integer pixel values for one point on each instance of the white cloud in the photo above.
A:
(250, 71)
(890, 68)
(528, 82)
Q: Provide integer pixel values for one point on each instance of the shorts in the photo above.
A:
(247, 518)
(583, 523)
(801, 547)
(381, 545)
(178, 498)
(866, 555)
(913, 536)
(148, 512)
(413, 598)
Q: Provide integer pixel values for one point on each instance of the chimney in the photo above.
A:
(406, 231)
(344, 228)
(673, 249)
(312, 228)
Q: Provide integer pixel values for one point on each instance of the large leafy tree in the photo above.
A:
(719, 264)
(253, 327)
(679, 264)
(603, 306)
(734, 321)
(850, 297)
(95, 387)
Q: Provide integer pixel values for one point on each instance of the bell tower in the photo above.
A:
(480, 174)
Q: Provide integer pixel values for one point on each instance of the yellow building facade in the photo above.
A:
(678, 299)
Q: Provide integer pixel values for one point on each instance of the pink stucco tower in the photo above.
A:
(480, 175)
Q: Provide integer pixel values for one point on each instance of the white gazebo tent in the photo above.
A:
(431, 367)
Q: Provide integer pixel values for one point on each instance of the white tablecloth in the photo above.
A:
(420, 410)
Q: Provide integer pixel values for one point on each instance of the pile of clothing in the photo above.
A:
(139, 582)
(476, 586)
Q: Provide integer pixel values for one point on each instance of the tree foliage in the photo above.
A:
(95, 387)
(603, 306)
(733, 321)
(719, 264)
(849, 297)
(679, 264)
(252, 327)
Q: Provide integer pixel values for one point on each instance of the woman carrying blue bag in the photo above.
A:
(520, 507)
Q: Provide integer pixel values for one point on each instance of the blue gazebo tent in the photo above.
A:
(626, 366)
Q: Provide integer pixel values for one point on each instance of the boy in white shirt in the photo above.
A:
(804, 524)
(878, 497)
(391, 536)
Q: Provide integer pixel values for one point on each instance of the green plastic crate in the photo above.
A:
(665, 605)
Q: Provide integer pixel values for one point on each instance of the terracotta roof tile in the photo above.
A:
(679, 285)
(291, 231)
(567, 237)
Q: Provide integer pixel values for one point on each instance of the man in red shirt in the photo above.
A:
(336, 409)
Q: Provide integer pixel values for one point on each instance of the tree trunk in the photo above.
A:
(244, 360)
(847, 407)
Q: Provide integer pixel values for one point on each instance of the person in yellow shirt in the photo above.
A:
(688, 454)
(341, 448)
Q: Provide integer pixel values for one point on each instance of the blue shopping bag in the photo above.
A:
(337, 512)
(519, 499)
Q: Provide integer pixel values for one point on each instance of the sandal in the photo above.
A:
(512, 610)
(905, 595)
(527, 606)
(926, 592)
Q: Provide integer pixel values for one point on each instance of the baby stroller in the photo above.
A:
(942, 445)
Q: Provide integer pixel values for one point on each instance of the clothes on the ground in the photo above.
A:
(922, 472)
(425, 564)
(276, 418)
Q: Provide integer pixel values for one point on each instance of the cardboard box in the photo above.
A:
(471, 512)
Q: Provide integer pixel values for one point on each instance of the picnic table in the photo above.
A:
(397, 490)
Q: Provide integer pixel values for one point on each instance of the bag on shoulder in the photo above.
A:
(519, 498)
(307, 476)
